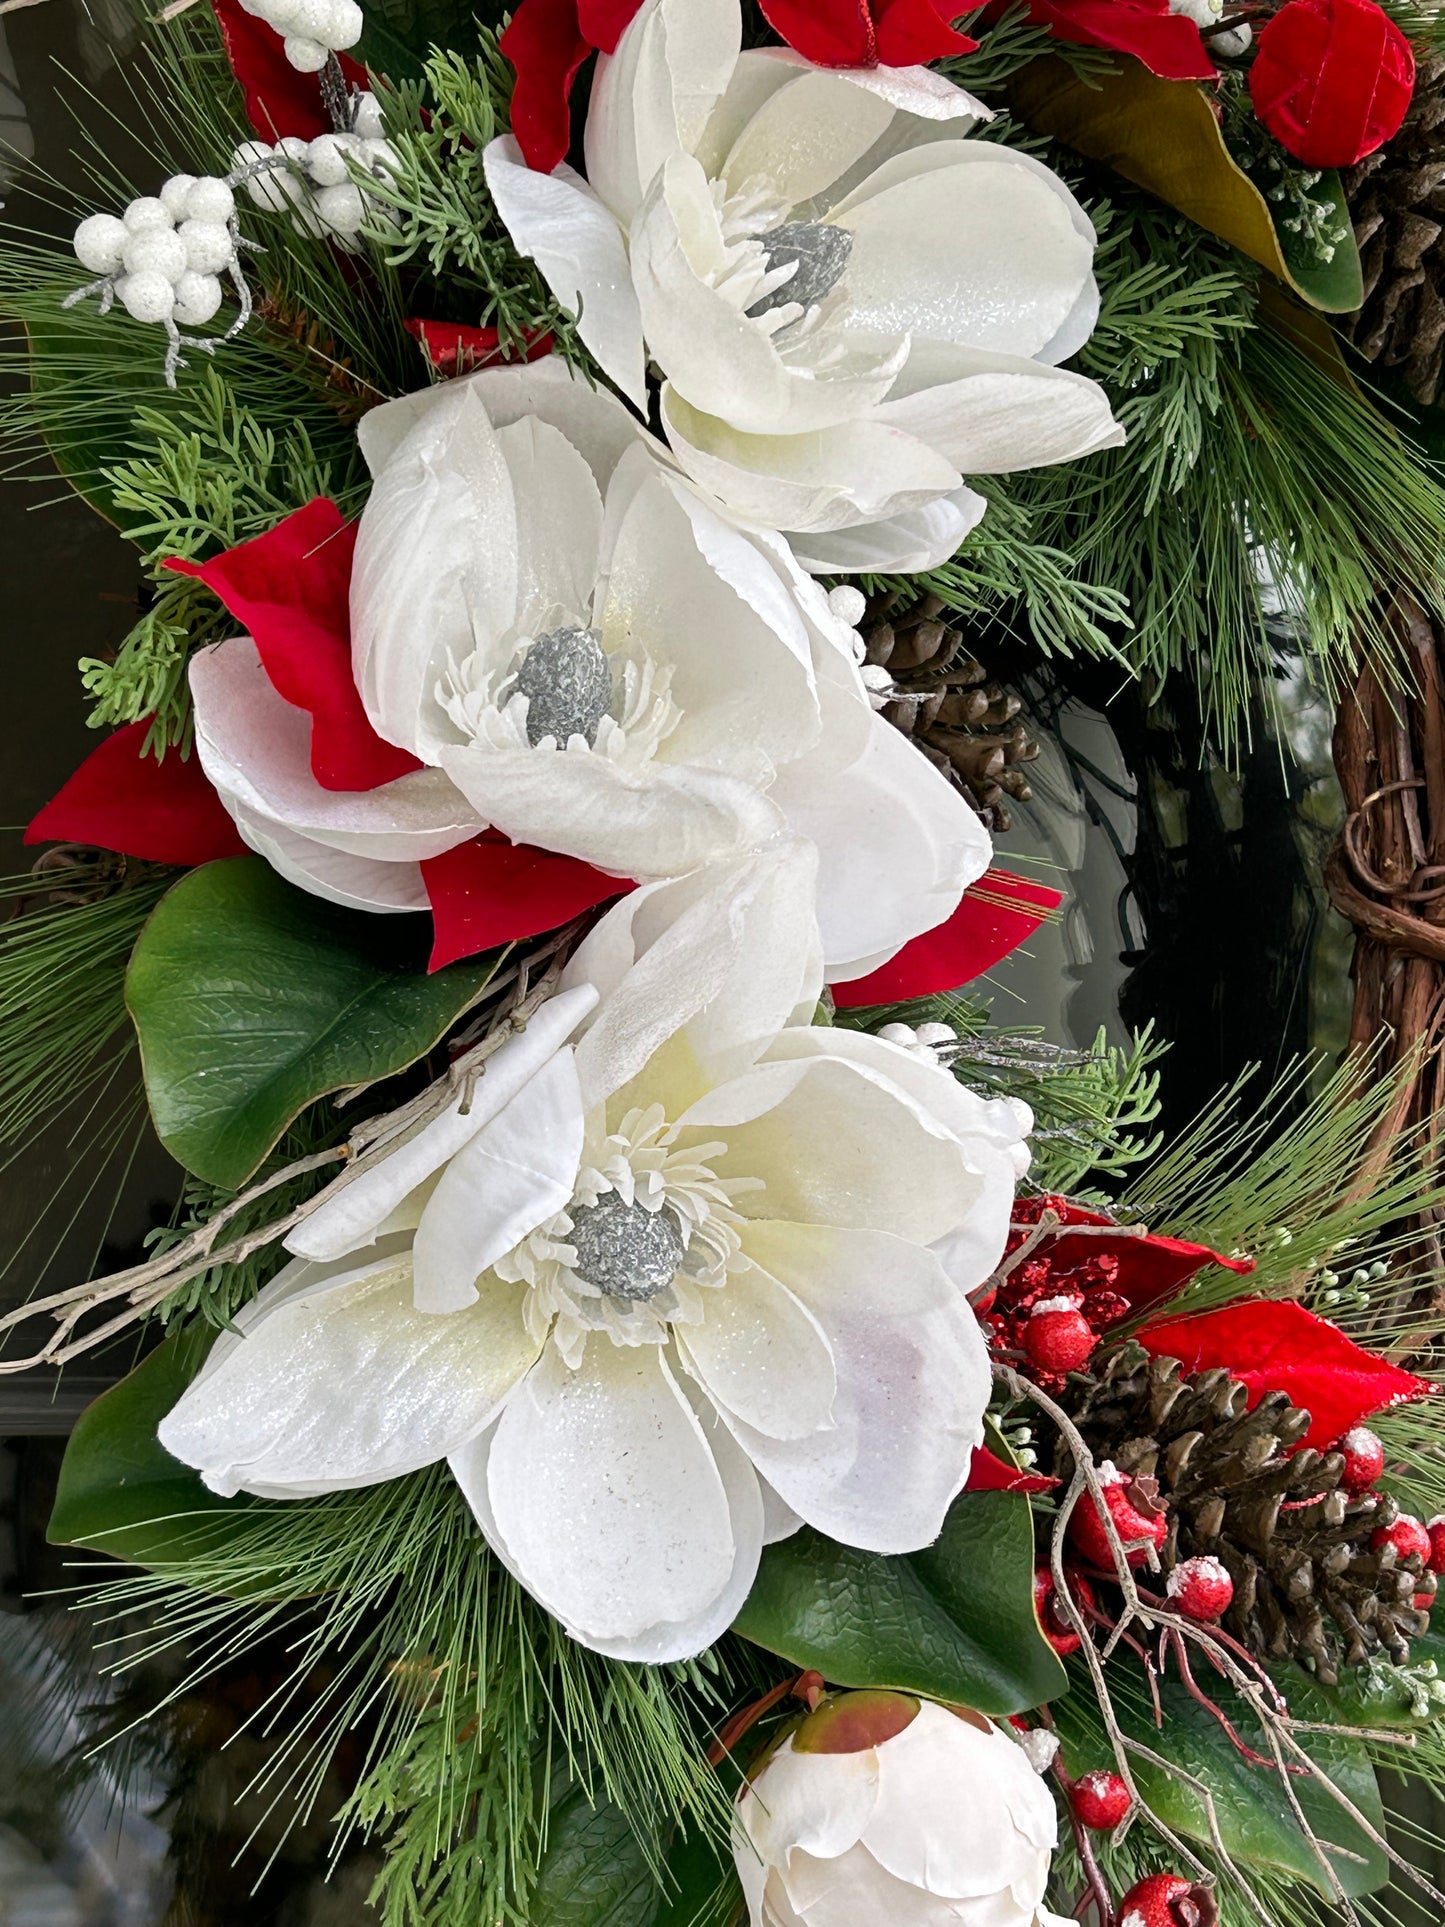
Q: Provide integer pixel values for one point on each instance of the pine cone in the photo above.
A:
(1239, 1488)
(1396, 198)
(941, 698)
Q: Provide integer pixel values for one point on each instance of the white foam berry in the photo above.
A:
(148, 296)
(156, 251)
(210, 200)
(306, 56)
(347, 22)
(174, 193)
(368, 121)
(207, 245)
(341, 208)
(382, 157)
(197, 298)
(310, 20)
(147, 214)
(327, 159)
(99, 243)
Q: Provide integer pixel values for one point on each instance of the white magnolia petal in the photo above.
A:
(858, 473)
(256, 749)
(905, 544)
(854, 1891)
(806, 134)
(607, 1495)
(913, 1382)
(982, 253)
(817, 1803)
(356, 1206)
(779, 1519)
(559, 222)
(559, 524)
(517, 1172)
(897, 848)
(654, 821)
(918, 90)
(921, 1832)
(713, 354)
(760, 1353)
(355, 882)
(716, 962)
(836, 1144)
(653, 96)
(755, 78)
(1000, 413)
(348, 1385)
(435, 575)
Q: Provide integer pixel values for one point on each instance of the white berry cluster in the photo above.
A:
(312, 30)
(318, 180)
(162, 259)
(924, 1040)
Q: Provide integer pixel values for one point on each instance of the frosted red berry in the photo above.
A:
(1137, 1529)
(1406, 1535)
(1057, 1629)
(1363, 1453)
(1423, 1601)
(1436, 1530)
(1167, 1900)
(1200, 1588)
(1100, 1800)
(1058, 1338)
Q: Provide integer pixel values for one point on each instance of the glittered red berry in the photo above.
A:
(1058, 1338)
(1057, 1630)
(1436, 1530)
(1331, 79)
(1138, 1521)
(1406, 1535)
(1423, 1601)
(1364, 1455)
(1168, 1900)
(1100, 1800)
(1200, 1588)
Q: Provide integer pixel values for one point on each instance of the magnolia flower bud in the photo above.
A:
(883, 1808)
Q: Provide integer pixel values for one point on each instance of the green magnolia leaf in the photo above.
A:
(955, 1622)
(1163, 136)
(252, 999)
(120, 1492)
(595, 1872)
(1366, 1695)
(703, 1889)
(399, 34)
(1255, 1821)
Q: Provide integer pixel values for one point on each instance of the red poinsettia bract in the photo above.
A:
(1168, 44)
(997, 914)
(279, 99)
(1275, 1345)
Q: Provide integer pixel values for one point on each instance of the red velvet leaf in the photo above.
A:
(913, 32)
(278, 99)
(119, 799)
(290, 590)
(489, 891)
(1277, 1346)
(546, 45)
(454, 348)
(1331, 79)
(1168, 44)
(996, 915)
(831, 33)
(1148, 1269)
(986, 1473)
(603, 21)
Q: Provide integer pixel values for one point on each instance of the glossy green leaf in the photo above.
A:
(1163, 136)
(1255, 1821)
(595, 1872)
(120, 1492)
(399, 34)
(955, 1622)
(703, 1888)
(252, 999)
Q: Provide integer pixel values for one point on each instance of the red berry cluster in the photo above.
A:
(1051, 1309)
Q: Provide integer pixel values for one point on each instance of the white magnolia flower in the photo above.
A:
(587, 657)
(852, 306)
(882, 1809)
(661, 1292)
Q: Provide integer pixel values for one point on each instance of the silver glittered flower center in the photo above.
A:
(567, 681)
(821, 253)
(624, 1250)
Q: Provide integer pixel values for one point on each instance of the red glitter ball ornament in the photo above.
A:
(1407, 1536)
(1331, 79)
(1167, 1900)
(1057, 1630)
(1057, 1337)
(1436, 1530)
(1100, 1800)
(1200, 1588)
(1130, 1506)
(1364, 1455)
